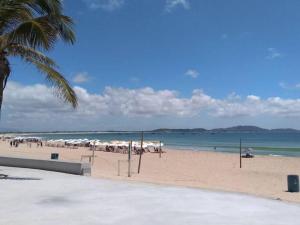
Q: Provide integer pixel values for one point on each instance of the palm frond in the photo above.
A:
(61, 25)
(27, 26)
(43, 7)
(26, 53)
(64, 27)
(62, 86)
(13, 13)
(35, 23)
(33, 33)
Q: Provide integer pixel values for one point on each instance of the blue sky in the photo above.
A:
(228, 49)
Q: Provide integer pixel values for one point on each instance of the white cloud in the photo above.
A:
(289, 86)
(273, 53)
(192, 73)
(36, 106)
(38, 100)
(172, 4)
(82, 77)
(111, 5)
(108, 5)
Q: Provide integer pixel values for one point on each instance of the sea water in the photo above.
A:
(285, 144)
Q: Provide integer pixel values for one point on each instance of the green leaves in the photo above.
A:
(46, 66)
(64, 26)
(42, 32)
(46, 6)
(12, 13)
(28, 27)
(34, 34)
(59, 82)
(29, 54)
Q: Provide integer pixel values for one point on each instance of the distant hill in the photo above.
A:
(285, 130)
(240, 129)
(246, 129)
(235, 129)
(167, 130)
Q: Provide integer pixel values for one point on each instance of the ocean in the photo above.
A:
(283, 144)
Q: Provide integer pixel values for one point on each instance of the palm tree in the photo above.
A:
(28, 29)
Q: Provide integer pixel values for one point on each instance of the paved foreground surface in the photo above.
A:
(48, 198)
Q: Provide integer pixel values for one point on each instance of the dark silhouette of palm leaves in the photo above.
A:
(28, 29)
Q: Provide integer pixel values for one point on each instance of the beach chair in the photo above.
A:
(248, 153)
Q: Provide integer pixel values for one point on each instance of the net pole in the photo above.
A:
(94, 146)
(240, 153)
(129, 158)
(160, 149)
(141, 152)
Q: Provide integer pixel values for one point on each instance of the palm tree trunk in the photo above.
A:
(1, 98)
(2, 78)
(4, 74)
(1, 91)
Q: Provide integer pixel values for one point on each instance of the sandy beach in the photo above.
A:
(263, 176)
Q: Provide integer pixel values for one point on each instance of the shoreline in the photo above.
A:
(227, 152)
(262, 176)
(284, 148)
(234, 151)
(282, 144)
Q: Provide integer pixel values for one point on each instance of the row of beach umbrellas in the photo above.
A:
(27, 138)
(117, 143)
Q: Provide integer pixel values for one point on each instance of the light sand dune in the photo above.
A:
(262, 176)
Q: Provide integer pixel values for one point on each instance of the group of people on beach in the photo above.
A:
(15, 143)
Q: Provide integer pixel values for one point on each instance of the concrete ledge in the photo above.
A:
(78, 168)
